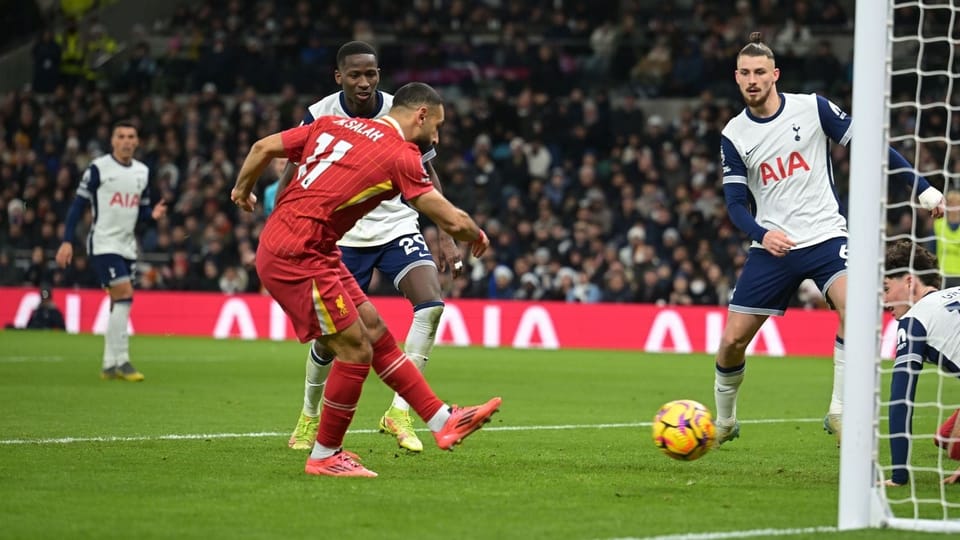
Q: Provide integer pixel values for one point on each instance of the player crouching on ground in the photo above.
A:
(926, 333)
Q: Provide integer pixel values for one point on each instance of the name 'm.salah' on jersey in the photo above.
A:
(348, 166)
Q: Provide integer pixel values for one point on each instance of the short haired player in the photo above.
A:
(388, 239)
(928, 331)
(777, 153)
(348, 166)
(117, 187)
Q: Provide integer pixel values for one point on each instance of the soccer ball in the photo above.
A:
(683, 430)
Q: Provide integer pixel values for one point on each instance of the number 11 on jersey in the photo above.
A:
(340, 149)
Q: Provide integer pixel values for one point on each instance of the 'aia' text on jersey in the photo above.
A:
(784, 160)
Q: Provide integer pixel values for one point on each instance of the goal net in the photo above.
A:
(906, 95)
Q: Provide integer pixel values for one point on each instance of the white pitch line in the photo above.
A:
(23, 359)
(735, 534)
(265, 434)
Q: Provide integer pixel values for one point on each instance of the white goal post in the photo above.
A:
(863, 501)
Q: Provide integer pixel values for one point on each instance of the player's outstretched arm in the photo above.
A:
(452, 220)
(256, 161)
(929, 197)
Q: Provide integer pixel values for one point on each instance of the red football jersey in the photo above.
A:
(347, 167)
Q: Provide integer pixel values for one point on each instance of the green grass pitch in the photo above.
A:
(199, 450)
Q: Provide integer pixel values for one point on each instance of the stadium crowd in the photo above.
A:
(585, 196)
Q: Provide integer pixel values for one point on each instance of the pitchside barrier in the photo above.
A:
(488, 323)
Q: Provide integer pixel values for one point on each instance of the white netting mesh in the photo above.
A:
(924, 126)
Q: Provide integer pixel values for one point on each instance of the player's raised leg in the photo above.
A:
(450, 425)
(420, 284)
(730, 366)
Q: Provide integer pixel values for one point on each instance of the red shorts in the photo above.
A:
(317, 292)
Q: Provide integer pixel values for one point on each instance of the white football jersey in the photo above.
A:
(930, 331)
(392, 218)
(116, 193)
(784, 160)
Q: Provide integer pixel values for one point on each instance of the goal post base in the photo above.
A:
(923, 525)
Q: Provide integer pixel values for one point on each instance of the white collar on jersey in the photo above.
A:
(390, 121)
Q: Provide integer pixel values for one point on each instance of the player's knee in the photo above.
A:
(733, 343)
(355, 351)
(322, 355)
(375, 328)
(371, 320)
(428, 314)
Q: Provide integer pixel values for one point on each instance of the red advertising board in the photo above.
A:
(550, 325)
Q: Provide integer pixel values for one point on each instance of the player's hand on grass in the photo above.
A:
(953, 478)
(245, 203)
(890, 483)
(64, 254)
(480, 245)
(777, 243)
(450, 255)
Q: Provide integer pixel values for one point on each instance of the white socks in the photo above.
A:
(725, 390)
(317, 370)
(319, 451)
(116, 341)
(419, 343)
(839, 361)
(436, 422)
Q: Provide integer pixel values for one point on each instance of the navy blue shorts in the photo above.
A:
(393, 259)
(112, 269)
(767, 283)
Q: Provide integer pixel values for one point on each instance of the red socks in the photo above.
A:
(395, 369)
(340, 396)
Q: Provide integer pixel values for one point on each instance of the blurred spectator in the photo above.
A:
(47, 316)
(99, 48)
(10, 275)
(73, 9)
(583, 290)
(501, 283)
(234, 280)
(46, 63)
(822, 69)
(73, 54)
(947, 231)
(39, 270)
(79, 274)
(616, 288)
(139, 70)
